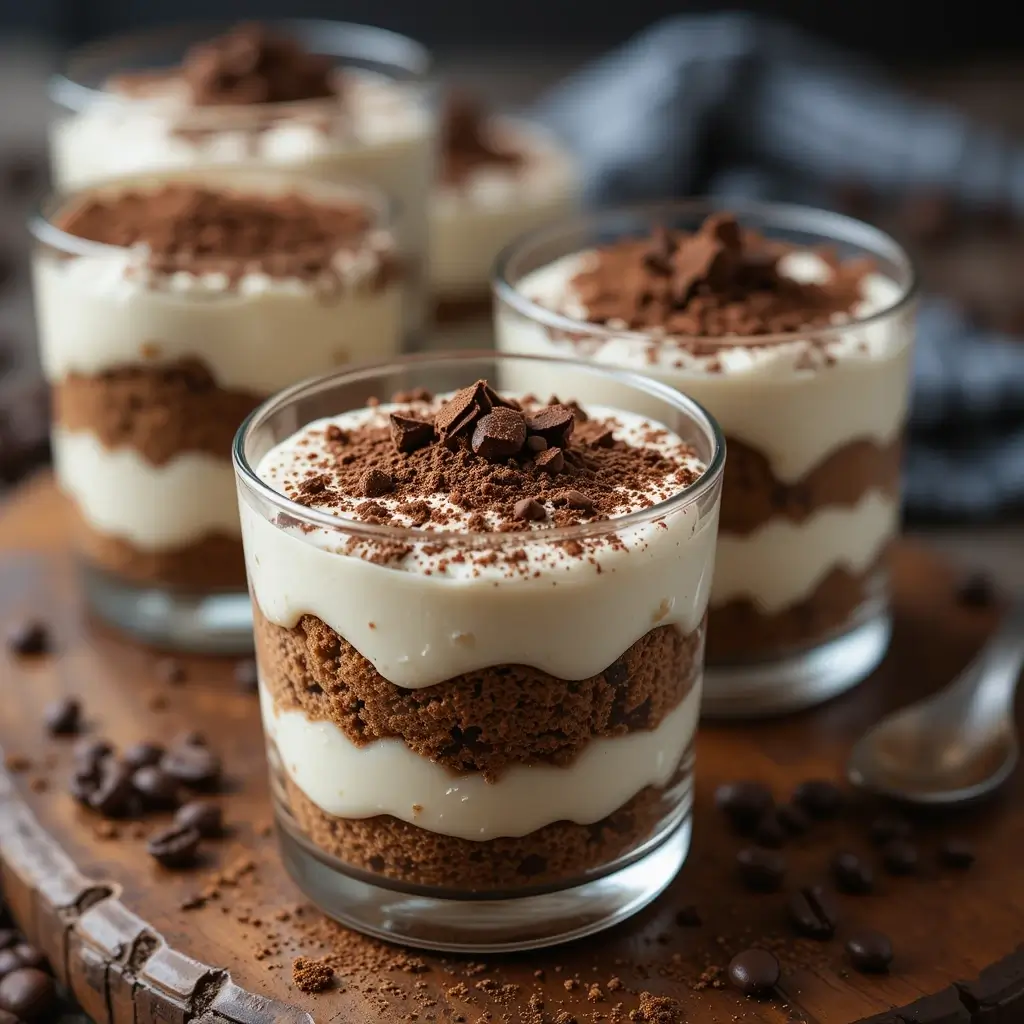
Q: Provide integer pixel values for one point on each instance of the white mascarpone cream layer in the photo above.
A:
(386, 777)
(762, 396)
(153, 508)
(427, 617)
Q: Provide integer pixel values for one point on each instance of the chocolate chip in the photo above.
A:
(28, 993)
(887, 827)
(63, 717)
(30, 956)
(743, 803)
(499, 435)
(192, 765)
(202, 815)
(174, 847)
(374, 483)
(819, 798)
(529, 510)
(551, 460)
(761, 870)
(28, 637)
(170, 670)
(956, 853)
(574, 499)
(158, 790)
(755, 972)
(687, 917)
(408, 434)
(536, 443)
(851, 874)
(555, 424)
(976, 591)
(143, 753)
(770, 831)
(813, 912)
(899, 857)
(794, 820)
(114, 796)
(246, 675)
(870, 951)
(460, 411)
(9, 961)
(90, 752)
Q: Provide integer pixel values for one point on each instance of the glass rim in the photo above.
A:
(66, 88)
(790, 216)
(246, 475)
(44, 231)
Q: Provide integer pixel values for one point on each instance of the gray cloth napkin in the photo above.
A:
(791, 118)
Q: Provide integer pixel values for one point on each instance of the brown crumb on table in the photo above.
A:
(311, 975)
(657, 1010)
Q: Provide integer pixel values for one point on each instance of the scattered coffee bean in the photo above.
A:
(143, 753)
(28, 993)
(202, 815)
(761, 870)
(870, 951)
(794, 820)
(819, 798)
(83, 786)
(246, 675)
(63, 717)
(688, 917)
(529, 510)
(813, 912)
(9, 961)
(30, 956)
(192, 765)
(174, 847)
(158, 790)
(28, 637)
(851, 874)
(899, 857)
(408, 434)
(114, 795)
(743, 803)
(755, 972)
(976, 591)
(887, 827)
(956, 853)
(170, 670)
(90, 752)
(770, 831)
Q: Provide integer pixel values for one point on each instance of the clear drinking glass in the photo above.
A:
(547, 846)
(151, 374)
(811, 499)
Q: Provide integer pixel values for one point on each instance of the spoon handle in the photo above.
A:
(992, 676)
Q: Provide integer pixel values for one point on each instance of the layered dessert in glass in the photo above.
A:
(794, 328)
(497, 177)
(168, 308)
(331, 100)
(479, 624)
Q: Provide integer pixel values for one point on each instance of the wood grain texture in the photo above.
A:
(112, 923)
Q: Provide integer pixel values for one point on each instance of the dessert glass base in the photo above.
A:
(208, 623)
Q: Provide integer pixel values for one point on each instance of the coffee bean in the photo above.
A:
(956, 853)
(813, 912)
(9, 961)
(755, 972)
(174, 847)
(170, 670)
(141, 754)
(899, 857)
(83, 786)
(114, 796)
(28, 993)
(770, 831)
(794, 820)
(63, 717)
(870, 951)
(887, 827)
(761, 870)
(743, 803)
(30, 956)
(976, 591)
(158, 790)
(851, 874)
(202, 815)
(192, 765)
(246, 675)
(687, 917)
(89, 754)
(819, 798)
(28, 637)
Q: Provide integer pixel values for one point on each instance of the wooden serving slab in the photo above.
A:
(113, 923)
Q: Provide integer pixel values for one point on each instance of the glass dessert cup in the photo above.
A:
(101, 133)
(813, 420)
(153, 369)
(416, 833)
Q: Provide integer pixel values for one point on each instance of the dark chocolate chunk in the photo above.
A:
(551, 460)
(246, 675)
(174, 847)
(158, 790)
(870, 951)
(605, 439)
(192, 765)
(755, 972)
(770, 831)
(143, 753)
(899, 857)
(761, 870)
(794, 820)
(529, 510)
(408, 434)
(462, 410)
(170, 670)
(887, 827)
(956, 853)
(976, 591)
(942, 1007)
(851, 874)
(202, 815)
(819, 798)
(375, 483)
(114, 796)
(28, 637)
(996, 996)
(536, 443)
(813, 912)
(577, 500)
(743, 803)
(555, 424)
(63, 717)
(688, 917)
(499, 435)
(28, 993)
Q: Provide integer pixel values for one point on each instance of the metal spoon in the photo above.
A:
(960, 743)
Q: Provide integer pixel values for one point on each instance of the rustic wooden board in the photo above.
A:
(112, 921)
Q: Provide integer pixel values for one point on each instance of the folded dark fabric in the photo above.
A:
(791, 118)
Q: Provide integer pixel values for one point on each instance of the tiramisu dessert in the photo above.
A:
(804, 358)
(498, 177)
(168, 309)
(479, 629)
(329, 100)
